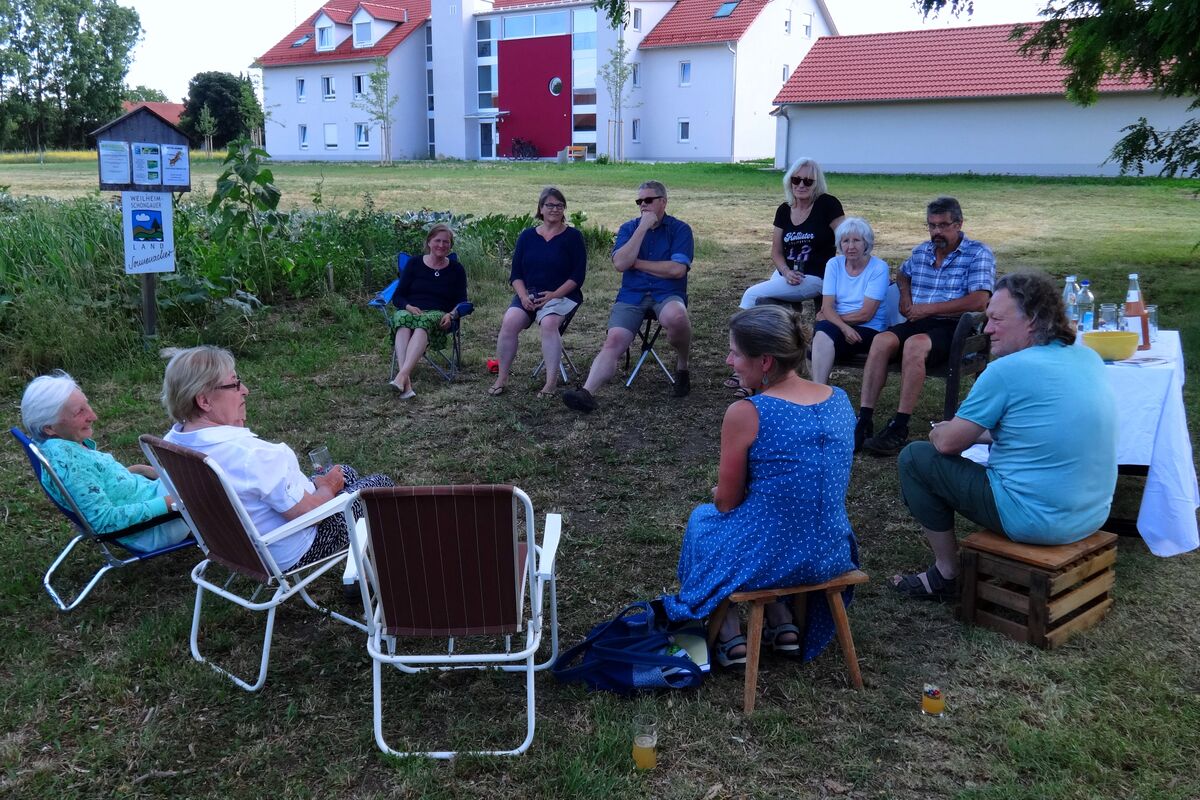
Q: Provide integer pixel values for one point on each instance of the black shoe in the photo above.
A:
(888, 443)
(579, 400)
(865, 429)
(683, 383)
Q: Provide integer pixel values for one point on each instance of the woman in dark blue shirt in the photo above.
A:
(430, 289)
(547, 272)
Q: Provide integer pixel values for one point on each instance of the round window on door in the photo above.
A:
(555, 86)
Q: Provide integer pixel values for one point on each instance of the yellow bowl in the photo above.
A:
(1112, 345)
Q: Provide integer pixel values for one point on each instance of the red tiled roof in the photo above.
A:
(502, 5)
(928, 64)
(341, 11)
(168, 111)
(691, 22)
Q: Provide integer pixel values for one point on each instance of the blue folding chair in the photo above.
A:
(446, 365)
(104, 541)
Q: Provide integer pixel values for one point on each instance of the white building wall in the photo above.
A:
(1022, 136)
(454, 76)
(707, 104)
(406, 66)
(652, 12)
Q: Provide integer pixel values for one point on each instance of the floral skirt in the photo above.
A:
(428, 321)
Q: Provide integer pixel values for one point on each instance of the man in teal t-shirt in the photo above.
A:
(1048, 413)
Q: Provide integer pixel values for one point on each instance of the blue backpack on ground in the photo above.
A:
(636, 650)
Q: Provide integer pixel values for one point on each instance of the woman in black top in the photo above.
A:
(430, 290)
(802, 241)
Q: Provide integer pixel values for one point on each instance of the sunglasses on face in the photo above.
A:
(645, 201)
(797, 180)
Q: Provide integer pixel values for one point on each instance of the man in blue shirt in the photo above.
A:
(653, 253)
(942, 279)
(1047, 410)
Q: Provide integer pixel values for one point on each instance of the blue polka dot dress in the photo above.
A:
(792, 527)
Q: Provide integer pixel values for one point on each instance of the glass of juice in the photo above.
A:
(645, 741)
(932, 702)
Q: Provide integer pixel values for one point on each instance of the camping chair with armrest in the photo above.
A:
(458, 562)
(230, 539)
(103, 541)
(446, 365)
(647, 335)
(565, 361)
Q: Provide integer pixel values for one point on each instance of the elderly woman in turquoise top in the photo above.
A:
(58, 417)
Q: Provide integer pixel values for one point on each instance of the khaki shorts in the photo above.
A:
(630, 315)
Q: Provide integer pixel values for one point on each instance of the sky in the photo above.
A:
(227, 35)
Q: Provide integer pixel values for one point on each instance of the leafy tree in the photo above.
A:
(379, 107)
(616, 73)
(206, 126)
(235, 112)
(1158, 40)
(144, 94)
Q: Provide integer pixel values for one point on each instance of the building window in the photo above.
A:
(637, 19)
(553, 23)
(487, 85)
(359, 84)
(635, 130)
(685, 73)
(331, 136)
(428, 44)
(635, 74)
(432, 150)
(786, 72)
(555, 86)
(429, 89)
(362, 135)
(684, 130)
(324, 37)
(327, 88)
(362, 34)
(300, 90)
(806, 24)
(787, 21)
(486, 38)
(302, 133)
(518, 26)
(725, 9)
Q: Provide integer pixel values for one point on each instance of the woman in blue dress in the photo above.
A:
(779, 511)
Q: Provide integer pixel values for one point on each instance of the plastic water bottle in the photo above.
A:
(1071, 300)
(1087, 306)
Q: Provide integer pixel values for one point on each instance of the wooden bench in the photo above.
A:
(577, 152)
(758, 599)
(1037, 594)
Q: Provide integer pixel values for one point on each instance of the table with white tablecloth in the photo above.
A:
(1153, 433)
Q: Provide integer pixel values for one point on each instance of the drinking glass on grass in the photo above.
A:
(645, 740)
(321, 460)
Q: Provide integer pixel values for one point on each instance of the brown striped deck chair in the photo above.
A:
(229, 538)
(449, 562)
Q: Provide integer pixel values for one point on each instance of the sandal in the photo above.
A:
(496, 391)
(742, 393)
(771, 634)
(723, 655)
(732, 382)
(940, 587)
(542, 395)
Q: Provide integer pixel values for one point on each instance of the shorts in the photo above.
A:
(940, 331)
(841, 348)
(630, 315)
(559, 305)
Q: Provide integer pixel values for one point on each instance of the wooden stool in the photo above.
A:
(759, 599)
(1038, 594)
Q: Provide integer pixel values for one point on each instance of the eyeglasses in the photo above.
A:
(797, 180)
(645, 201)
(940, 226)
(554, 206)
(235, 385)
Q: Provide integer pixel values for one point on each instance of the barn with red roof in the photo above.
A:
(952, 100)
(498, 78)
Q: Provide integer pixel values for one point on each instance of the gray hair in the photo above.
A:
(1039, 300)
(190, 373)
(819, 185)
(855, 225)
(944, 205)
(654, 186)
(43, 401)
(771, 330)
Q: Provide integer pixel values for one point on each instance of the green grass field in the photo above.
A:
(106, 701)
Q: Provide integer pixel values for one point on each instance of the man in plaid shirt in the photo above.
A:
(943, 278)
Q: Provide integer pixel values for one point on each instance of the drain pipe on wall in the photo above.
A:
(733, 107)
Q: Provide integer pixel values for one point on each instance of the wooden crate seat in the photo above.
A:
(1038, 594)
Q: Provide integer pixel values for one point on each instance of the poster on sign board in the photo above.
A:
(149, 232)
(114, 161)
(175, 167)
(147, 163)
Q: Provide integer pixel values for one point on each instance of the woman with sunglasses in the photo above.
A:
(548, 267)
(802, 241)
(207, 402)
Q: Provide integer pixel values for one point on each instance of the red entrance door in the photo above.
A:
(535, 88)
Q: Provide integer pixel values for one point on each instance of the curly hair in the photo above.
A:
(774, 331)
(1039, 301)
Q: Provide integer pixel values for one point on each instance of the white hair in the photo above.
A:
(855, 225)
(43, 401)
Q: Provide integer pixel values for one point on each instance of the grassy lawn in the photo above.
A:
(106, 700)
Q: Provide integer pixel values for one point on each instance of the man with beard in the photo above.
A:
(943, 278)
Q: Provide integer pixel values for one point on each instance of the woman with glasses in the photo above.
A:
(548, 267)
(802, 241)
(207, 403)
(59, 419)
